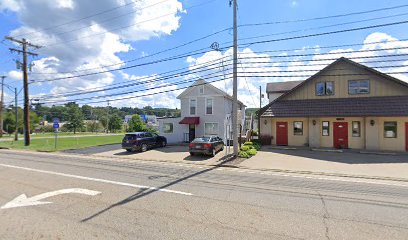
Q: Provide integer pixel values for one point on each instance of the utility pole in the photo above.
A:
(2, 105)
(15, 106)
(259, 112)
(107, 120)
(235, 83)
(24, 51)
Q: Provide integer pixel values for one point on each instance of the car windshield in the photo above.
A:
(202, 139)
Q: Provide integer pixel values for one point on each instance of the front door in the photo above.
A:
(282, 133)
(406, 136)
(340, 135)
(191, 132)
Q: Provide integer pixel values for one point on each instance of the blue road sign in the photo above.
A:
(55, 120)
(55, 125)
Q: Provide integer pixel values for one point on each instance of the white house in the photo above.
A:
(205, 110)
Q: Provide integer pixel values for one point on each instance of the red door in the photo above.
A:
(340, 135)
(406, 136)
(281, 133)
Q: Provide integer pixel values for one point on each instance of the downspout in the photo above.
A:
(365, 133)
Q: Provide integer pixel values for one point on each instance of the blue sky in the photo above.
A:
(104, 40)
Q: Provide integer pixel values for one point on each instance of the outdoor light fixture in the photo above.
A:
(372, 122)
(265, 121)
(314, 122)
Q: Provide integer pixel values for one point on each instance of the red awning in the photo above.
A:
(190, 120)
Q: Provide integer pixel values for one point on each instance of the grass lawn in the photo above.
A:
(63, 143)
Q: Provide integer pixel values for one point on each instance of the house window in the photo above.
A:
(210, 128)
(390, 129)
(168, 127)
(356, 129)
(324, 88)
(193, 106)
(297, 128)
(325, 128)
(209, 106)
(201, 90)
(359, 86)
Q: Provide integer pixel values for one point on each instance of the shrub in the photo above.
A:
(251, 152)
(248, 143)
(243, 154)
(245, 148)
(257, 146)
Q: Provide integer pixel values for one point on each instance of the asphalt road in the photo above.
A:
(123, 199)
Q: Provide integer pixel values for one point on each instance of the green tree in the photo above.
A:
(75, 118)
(115, 123)
(136, 124)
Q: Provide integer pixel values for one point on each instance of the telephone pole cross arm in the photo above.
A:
(24, 44)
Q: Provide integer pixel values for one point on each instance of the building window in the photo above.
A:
(359, 86)
(325, 128)
(193, 106)
(356, 129)
(209, 106)
(210, 128)
(390, 129)
(324, 88)
(297, 128)
(201, 90)
(168, 127)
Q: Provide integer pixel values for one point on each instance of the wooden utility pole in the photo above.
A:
(2, 105)
(235, 129)
(24, 51)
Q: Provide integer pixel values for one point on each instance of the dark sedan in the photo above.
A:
(206, 145)
(141, 141)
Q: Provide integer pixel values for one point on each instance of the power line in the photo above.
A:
(182, 56)
(325, 17)
(321, 27)
(109, 19)
(217, 80)
(128, 26)
(78, 20)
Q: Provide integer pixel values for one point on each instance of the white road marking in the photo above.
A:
(23, 200)
(97, 180)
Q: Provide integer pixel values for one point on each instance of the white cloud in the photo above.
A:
(98, 39)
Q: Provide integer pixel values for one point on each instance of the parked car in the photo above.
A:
(206, 145)
(142, 141)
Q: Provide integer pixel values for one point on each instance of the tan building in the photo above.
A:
(345, 105)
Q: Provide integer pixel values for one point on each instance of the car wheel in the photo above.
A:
(128, 150)
(143, 147)
(163, 143)
(213, 152)
(222, 148)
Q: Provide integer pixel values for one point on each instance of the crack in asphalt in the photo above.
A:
(325, 216)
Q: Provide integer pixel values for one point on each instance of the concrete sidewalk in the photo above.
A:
(354, 164)
(303, 161)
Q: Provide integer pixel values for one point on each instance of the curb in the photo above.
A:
(231, 166)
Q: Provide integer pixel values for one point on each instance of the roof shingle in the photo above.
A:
(347, 107)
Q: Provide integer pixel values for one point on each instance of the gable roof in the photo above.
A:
(202, 82)
(281, 87)
(342, 59)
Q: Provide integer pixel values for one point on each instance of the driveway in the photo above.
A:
(168, 153)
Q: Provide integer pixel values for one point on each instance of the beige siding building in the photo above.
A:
(345, 105)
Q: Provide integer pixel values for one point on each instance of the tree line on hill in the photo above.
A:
(81, 118)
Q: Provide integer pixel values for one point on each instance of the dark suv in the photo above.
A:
(141, 141)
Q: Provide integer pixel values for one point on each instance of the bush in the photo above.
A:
(243, 154)
(245, 148)
(257, 146)
(248, 143)
(251, 152)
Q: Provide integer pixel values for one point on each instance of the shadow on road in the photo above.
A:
(144, 192)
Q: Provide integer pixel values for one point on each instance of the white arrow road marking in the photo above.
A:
(23, 201)
(97, 180)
